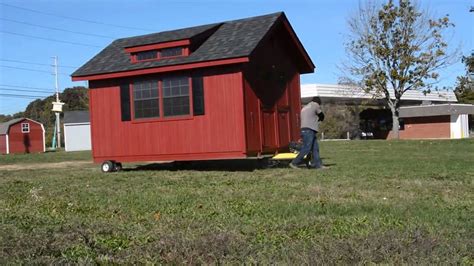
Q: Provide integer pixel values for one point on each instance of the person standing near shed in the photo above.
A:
(311, 116)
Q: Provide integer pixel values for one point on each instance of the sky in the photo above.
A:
(26, 49)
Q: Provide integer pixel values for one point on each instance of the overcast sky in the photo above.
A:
(26, 49)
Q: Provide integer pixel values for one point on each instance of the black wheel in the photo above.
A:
(117, 166)
(107, 167)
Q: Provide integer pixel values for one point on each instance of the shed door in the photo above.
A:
(252, 119)
(269, 129)
(284, 128)
(284, 131)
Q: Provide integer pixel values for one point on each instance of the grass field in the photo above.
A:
(381, 202)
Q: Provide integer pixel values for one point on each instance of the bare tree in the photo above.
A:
(396, 47)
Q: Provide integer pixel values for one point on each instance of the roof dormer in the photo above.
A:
(158, 51)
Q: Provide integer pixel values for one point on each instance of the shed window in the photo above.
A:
(198, 95)
(146, 55)
(176, 96)
(164, 98)
(146, 99)
(170, 52)
(25, 128)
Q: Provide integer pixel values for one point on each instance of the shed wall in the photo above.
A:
(218, 134)
(272, 95)
(77, 137)
(3, 144)
(26, 142)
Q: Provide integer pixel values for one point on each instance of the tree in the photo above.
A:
(396, 47)
(339, 120)
(465, 85)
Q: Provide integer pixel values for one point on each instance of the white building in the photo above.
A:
(77, 131)
(344, 93)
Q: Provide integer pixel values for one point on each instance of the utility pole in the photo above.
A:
(57, 106)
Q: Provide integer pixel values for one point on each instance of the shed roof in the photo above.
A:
(4, 127)
(230, 39)
(436, 110)
(76, 117)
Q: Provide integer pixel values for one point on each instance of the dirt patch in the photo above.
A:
(23, 166)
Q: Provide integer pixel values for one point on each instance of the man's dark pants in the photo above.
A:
(310, 143)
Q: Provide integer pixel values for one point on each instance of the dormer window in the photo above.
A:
(157, 54)
(171, 52)
(146, 55)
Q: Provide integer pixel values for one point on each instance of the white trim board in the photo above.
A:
(7, 140)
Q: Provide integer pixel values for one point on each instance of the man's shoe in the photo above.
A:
(293, 166)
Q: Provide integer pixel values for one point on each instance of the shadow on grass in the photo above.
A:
(238, 165)
(245, 165)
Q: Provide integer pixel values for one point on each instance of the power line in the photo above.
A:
(27, 69)
(24, 87)
(48, 39)
(58, 29)
(30, 69)
(21, 96)
(78, 19)
(6, 89)
(32, 63)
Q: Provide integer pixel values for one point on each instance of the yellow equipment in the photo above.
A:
(285, 156)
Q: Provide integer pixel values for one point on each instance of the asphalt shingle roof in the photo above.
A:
(231, 39)
(76, 117)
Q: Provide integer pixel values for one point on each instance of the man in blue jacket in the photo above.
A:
(311, 116)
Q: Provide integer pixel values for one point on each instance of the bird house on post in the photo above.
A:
(57, 109)
(58, 106)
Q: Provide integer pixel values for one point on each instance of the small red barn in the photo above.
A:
(21, 135)
(220, 91)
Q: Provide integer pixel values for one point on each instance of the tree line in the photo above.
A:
(75, 99)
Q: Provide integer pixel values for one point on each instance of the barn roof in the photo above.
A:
(76, 117)
(230, 39)
(6, 125)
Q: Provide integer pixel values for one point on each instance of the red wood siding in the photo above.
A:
(431, 127)
(3, 144)
(26, 142)
(218, 134)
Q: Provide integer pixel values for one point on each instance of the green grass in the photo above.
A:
(381, 202)
(47, 157)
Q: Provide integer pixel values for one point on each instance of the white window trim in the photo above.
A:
(8, 144)
(44, 138)
(22, 124)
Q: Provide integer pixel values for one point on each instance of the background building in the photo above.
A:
(431, 115)
(21, 135)
(77, 131)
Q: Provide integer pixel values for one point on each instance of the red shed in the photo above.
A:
(21, 135)
(220, 91)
